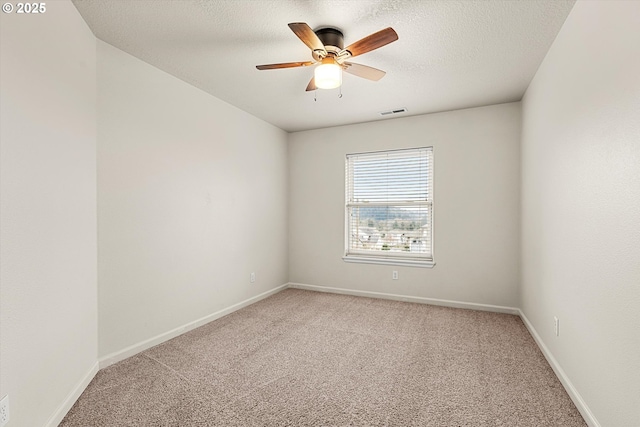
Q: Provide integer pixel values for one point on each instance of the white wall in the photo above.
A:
(581, 206)
(192, 198)
(476, 205)
(48, 306)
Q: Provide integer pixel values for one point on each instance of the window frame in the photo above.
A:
(375, 257)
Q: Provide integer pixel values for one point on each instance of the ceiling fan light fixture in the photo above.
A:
(329, 55)
(328, 75)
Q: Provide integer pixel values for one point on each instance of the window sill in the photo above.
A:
(388, 261)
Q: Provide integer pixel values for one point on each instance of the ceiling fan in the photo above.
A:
(330, 55)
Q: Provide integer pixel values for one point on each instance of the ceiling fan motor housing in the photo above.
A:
(331, 38)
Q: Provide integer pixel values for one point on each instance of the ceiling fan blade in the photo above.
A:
(308, 37)
(363, 71)
(371, 42)
(284, 65)
(312, 85)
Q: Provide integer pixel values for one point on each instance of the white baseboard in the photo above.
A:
(58, 416)
(405, 298)
(582, 407)
(117, 356)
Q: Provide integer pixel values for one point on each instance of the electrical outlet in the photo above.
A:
(557, 325)
(252, 277)
(394, 275)
(4, 411)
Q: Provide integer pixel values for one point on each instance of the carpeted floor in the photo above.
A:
(302, 358)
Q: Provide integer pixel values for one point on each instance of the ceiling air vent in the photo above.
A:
(392, 112)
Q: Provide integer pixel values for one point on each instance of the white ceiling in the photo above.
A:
(450, 54)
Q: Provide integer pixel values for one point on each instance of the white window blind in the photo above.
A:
(389, 205)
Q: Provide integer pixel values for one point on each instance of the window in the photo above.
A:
(389, 207)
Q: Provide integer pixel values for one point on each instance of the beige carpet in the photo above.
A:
(302, 358)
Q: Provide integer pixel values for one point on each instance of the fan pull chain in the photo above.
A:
(315, 95)
(340, 91)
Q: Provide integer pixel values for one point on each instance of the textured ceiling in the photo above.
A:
(450, 54)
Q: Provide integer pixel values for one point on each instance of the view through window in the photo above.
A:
(389, 206)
